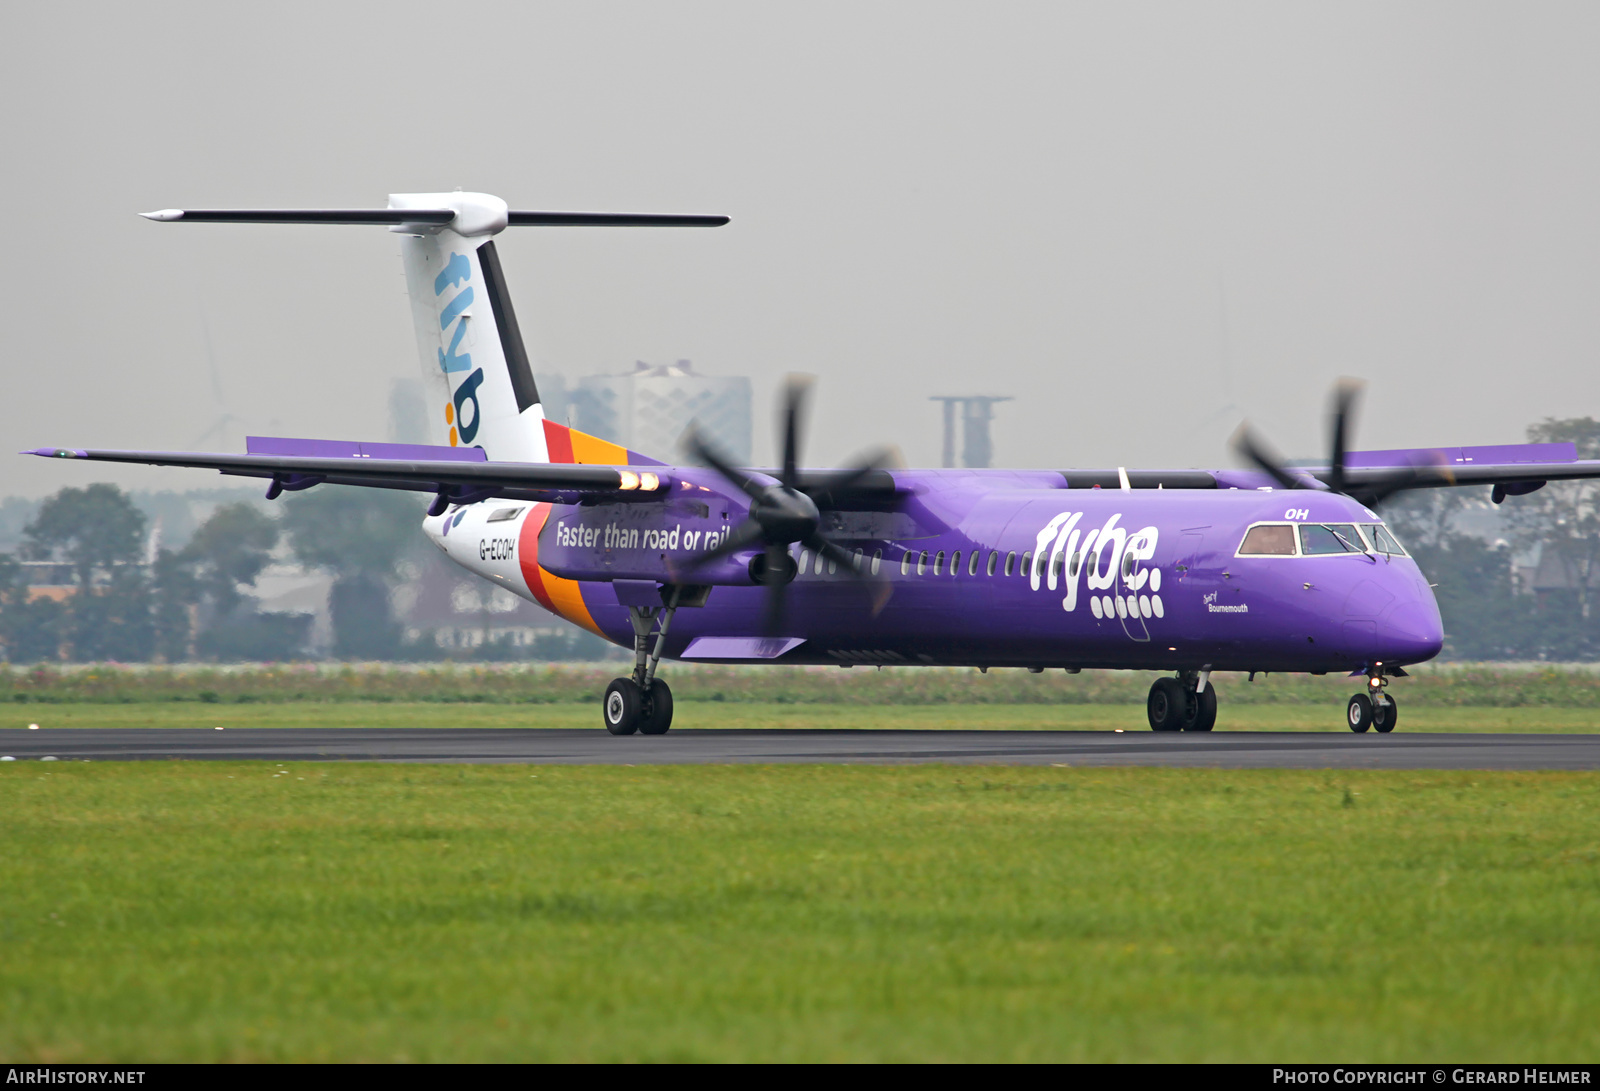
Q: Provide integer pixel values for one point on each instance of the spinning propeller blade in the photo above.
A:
(782, 514)
(1371, 492)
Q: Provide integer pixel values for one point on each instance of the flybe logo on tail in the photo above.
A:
(463, 414)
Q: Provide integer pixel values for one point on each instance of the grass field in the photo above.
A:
(209, 911)
(750, 714)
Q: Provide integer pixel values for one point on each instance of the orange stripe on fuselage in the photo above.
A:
(561, 597)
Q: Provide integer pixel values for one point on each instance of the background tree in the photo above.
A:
(112, 620)
(224, 558)
(174, 590)
(31, 629)
(96, 528)
(1562, 515)
(228, 552)
(100, 533)
(359, 535)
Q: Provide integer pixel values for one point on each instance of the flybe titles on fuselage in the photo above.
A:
(1108, 562)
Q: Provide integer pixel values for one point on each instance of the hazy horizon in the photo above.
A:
(1142, 222)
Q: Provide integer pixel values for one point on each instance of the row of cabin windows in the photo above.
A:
(1265, 540)
(1318, 539)
(924, 562)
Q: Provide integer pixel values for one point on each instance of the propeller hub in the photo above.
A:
(785, 515)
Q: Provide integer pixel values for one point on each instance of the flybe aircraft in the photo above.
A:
(1184, 572)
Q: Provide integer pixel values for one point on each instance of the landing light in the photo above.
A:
(649, 482)
(630, 480)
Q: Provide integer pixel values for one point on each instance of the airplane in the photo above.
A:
(1182, 572)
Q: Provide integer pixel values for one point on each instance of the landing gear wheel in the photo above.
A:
(1168, 705)
(1384, 714)
(658, 710)
(1205, 706)
(1359, 713)
(623, 706)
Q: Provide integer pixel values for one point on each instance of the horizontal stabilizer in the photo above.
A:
(436, 216)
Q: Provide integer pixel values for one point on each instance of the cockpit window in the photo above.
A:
(1319, 538)
(1271, 541)
(1383, 541)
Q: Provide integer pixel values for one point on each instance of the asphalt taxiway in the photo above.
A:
(1230, 750)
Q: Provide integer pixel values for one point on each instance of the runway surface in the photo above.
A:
(1232, 750)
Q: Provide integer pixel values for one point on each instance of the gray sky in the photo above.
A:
(1142, 220)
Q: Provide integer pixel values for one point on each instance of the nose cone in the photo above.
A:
(1412, 632)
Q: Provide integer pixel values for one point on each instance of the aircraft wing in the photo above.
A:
(462, 476)
(1512, 470)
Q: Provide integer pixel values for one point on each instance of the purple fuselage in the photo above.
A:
(1139, 578)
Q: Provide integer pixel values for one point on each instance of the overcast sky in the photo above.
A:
(1144, 221)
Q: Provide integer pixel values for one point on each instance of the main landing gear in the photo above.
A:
(1374, 708)
(643, 702)
(1185, 703)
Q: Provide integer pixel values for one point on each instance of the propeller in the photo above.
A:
(1372, 491)
(782, 514)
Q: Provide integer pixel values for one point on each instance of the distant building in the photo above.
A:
(649, 408)
(977, 410)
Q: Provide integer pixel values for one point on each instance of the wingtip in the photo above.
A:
(164, 215)
(54, 452)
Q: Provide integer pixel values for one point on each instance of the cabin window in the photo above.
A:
(1011, 562)
(922, 562)
(817, 570)
(855, 560)
(1027, 563)
(994, 560)
(1072, 565)
(1317, 539)
(905, 564)
(877, 556)
(805, 559)
(972, 563)
(1268, 541)
(1127, 564)
(1056, 561)
(833, 565)
(1383, 541)
(955, 563)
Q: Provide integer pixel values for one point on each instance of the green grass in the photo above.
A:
(1442, 686)
(749, 714)
(200, 911)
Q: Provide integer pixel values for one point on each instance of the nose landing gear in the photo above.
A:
(1185, 703)
(1374, 708)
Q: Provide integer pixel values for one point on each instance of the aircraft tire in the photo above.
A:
(1358, 714)
(1385, 715)
(1205, 705)
(1167, 706)
(623, 706)
(658, 710)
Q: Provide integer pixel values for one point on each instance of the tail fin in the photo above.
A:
(474, 366)
(475, 369)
